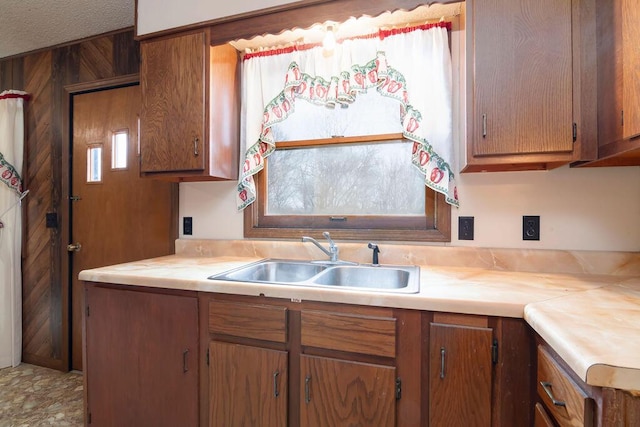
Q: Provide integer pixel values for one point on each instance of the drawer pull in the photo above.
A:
(442, 355)
(546, 386)
(195, 146)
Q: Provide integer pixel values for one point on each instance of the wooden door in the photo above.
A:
(115, 215)
(248, 386)
(142, 367)
(172, 120)
(343, 393)
(523, 74)
(460, 373)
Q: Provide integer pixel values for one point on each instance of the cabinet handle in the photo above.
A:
(484, 125)
(546, 386)
(185, 365)
(307, 389)
(276, 393)
(442, 353)
(195, 146)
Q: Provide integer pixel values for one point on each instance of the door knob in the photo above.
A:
(74, 247)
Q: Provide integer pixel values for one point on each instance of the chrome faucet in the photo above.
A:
(332, 252)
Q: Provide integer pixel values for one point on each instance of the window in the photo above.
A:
(337, 169)
(94, 163)
(119, 149)
(338, 120)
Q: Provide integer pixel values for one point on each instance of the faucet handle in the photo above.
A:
(328, 237)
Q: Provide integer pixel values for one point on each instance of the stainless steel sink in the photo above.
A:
(365, 277)
(273, 271)
(386, 278)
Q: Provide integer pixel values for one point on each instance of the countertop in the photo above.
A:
(591, 320)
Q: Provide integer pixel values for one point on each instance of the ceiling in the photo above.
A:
(27, 25)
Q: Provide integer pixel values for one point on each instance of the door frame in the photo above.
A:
(64, 216)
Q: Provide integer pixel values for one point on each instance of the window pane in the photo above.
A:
(94, 163)
(119, 148)
(362, 179)
(370, 114)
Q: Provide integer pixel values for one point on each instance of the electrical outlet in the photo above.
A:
(530, 227)
(465, 228)
(187, 226)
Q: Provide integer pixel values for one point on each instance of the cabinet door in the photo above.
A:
(522, 65)
(140, 358)
(631, 67)
(247, 386)
(343, 393)
(172, 118)
(460, 373)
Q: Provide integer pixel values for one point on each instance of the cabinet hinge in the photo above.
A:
(494, 351)
(622, 118)
(398, 388)
(575, 132)
(89, 418)
(87, 311)
(207, 357)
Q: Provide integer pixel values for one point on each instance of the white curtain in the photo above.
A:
(11, 155)
(410, 65)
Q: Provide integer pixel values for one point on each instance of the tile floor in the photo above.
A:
(32, 396)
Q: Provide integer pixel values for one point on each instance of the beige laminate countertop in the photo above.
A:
(592, 321)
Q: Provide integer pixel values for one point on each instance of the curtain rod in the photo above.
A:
(298, 45)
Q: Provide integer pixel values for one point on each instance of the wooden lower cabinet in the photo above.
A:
(460, 375)
(567, 400)
(141, 357)
(345, 393)
(275, 362)
(248, 386)
(341, 365)
(480, 370)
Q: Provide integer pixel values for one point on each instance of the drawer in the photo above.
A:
(567, 403)
(542, 418)
(257, 321)
(351, 333)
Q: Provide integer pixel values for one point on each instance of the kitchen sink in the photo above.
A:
(365, 277)
(274, 271)
(386, 278)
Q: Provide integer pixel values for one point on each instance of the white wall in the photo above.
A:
(582, 209)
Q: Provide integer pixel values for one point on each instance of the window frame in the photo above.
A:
(434, 226)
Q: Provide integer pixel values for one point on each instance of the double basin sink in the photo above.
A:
(366, 277)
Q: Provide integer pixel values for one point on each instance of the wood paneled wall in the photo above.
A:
(44, 74)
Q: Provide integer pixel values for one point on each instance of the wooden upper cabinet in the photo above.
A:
(618, 48)
(528, 84)
(189, 115)
(631, 67)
